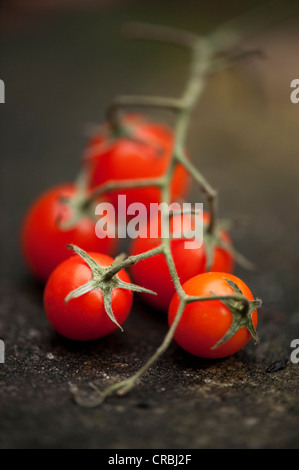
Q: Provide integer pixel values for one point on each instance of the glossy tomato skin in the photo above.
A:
(204, 323)
(153, 272)
(43, 243)
(124, 158)
(83, 318)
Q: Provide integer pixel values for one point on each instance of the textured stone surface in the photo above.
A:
(60, 72)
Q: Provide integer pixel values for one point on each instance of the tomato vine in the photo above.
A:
(208, 55)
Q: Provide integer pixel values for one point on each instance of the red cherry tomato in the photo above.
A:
(44, 243)
(204, 323)
(145, 154)
(153, 273)
(83, 318)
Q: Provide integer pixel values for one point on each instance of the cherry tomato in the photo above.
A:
(83, 318)
(204, 323)
(43, 242)
(144, 153)
(153, 273)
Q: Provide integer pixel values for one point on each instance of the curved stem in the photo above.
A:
(129, 383)
(125, 184)
(125, 101)
(136, 30)
(205, 187)
(132, 260)
(237, 297)
(203, 52)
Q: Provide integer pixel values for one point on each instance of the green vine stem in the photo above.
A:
(204, 60)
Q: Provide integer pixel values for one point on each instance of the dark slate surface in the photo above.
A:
(61, 70)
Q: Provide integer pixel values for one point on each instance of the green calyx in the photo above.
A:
(104, 280)
(242, 310)
(82, 203)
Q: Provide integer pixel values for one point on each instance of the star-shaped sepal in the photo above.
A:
(242, 310)
(105, 279)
